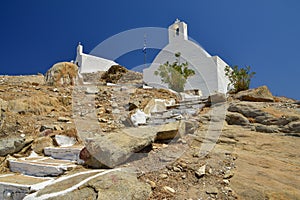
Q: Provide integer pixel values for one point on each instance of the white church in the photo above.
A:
(209, 70)
(89, 63)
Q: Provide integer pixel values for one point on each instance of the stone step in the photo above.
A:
(194, 104)
(40, 166)
(17, 186)
(65, 153)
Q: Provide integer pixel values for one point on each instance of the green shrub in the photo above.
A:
(175, 74)
(239, 78)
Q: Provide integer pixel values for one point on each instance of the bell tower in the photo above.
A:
(178, 31)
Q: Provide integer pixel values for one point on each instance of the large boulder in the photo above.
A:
(260, 94)
(11, 145)
(115, 148)
(62, 73)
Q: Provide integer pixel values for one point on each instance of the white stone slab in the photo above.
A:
(17, 186)
(65, 141)
(65, 153)
(41, 166)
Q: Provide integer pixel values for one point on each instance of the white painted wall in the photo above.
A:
(89, 64)
(210, 75)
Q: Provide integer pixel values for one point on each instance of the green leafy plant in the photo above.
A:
(175, 74)
(239, 77)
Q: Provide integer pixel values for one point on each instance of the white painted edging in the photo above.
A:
(74, 187)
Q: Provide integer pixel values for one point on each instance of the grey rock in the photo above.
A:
(266, 129)
(11, 145)
(293, 127)
(247, 109)
(228, 174)
(168, 131)
(188, 126)
(163, 176)
(91, 90)
(270, 120)
(176, 169)
(169, 189)
(212, 190)
(40, 143)
(200, 172)
(45, 127)
(216, 98)
(63, 119)
(116, 147)
(233, 118)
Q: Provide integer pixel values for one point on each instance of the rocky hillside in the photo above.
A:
(113, 139)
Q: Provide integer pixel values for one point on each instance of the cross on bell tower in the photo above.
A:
(178, 31)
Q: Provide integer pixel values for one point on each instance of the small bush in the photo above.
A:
(239, 78)
(175, 74)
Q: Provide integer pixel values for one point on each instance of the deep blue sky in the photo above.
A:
(264, 34)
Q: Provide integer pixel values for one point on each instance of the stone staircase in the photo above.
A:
(30, 174)
(183, 110)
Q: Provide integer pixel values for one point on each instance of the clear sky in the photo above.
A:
(264, 34)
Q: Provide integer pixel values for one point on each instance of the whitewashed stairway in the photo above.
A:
(30, 174)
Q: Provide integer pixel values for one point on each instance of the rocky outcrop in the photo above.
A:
(260, 94)
(119, 74)
(266, 129)
(63, 73)
(247, 109)
(293, 127)
(236, 119)
(264, 121)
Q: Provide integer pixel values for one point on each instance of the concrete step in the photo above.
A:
(17, 186)
(40, 166)
(65, 153)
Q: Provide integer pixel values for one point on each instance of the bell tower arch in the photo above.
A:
(178, 30)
